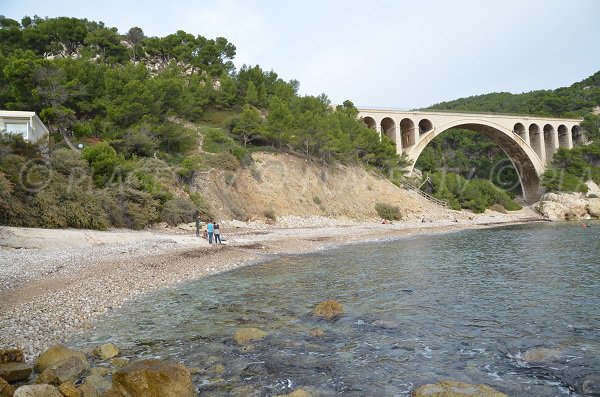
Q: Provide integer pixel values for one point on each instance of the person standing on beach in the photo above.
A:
(217, 234)
(198, 225)
(210, 228)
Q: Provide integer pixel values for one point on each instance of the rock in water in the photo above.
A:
(37, 391)
(106, 351)
(14, 372)
(68, 370)
(55, 355)
(244, 336)
(296, 393)
(447, 388)
(154, 378)
(328, 310)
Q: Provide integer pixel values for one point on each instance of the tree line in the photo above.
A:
(141, 105)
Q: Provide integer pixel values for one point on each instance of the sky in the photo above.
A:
(376, 53)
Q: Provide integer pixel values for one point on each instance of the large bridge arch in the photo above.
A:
(525, 160)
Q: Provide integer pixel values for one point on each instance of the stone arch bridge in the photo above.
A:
(529, 141)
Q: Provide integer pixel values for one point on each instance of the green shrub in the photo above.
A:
(222, 161)
(316, 200)
(202, 206)
(64, 160)
(388, 211)
(190, 167)
(270, 214)
(563, 181)
(239, 213)
(255, 172)
(498, 208)
(230, 178)
(178, 210)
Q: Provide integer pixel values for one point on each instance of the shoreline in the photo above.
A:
(51, 296)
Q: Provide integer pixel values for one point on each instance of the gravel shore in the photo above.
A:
(57, 282)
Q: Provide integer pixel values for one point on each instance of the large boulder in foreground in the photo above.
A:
(154, 378)
(447, 388)
(328, 310)
(37, 391)
(55, 355)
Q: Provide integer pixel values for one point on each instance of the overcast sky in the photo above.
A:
(399, 54)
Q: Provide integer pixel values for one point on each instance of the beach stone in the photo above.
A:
(6, 390)
(37, 391)
(55, 355)
(15, 371)
(69, 390)
(243, 336)
(317, 332)
(447, 388)
(11, 356)
(106, 351)
(67, 370)
(295, 393)
(154, 378)
(94, 385)
(328, 310)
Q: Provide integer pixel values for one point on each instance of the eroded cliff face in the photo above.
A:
(282, 184)
(569, 206)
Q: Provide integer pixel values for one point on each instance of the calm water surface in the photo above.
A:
(470, 306)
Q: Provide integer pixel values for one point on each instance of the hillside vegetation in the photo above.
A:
(152, 113)
(461, 154)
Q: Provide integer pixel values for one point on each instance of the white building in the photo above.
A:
(27, 124)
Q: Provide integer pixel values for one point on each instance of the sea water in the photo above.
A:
(516, 308)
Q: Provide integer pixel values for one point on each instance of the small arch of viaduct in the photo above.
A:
(528, 141)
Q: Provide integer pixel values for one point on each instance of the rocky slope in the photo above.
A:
(570, 206)
(282, 184)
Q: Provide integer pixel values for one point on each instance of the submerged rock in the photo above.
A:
(55, 355)
(243, 336)
(295, 393)
(541, 354)
(154, 378)
(328, 310)
(591, 385)
(447, 388)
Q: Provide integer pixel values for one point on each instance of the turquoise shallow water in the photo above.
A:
(470, 306)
